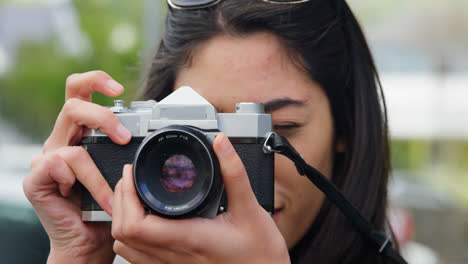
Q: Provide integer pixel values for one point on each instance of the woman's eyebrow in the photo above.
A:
(276, 104)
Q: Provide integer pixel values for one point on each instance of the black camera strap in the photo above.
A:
(278, 144)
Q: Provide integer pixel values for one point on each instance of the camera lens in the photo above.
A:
(176, 172)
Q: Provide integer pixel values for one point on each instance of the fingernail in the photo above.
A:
(114, 86)
(225, 145)
(123, 133)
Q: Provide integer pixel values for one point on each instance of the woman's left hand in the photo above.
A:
(246, 233)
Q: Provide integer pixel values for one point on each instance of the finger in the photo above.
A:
(151, 254)
(82, 86)
(157, 232)
(130, 226)
(77, 114)
(46, 171)
(132, 255)
(86, 171)
(63, 175)
(130, 211)
(117, 212)
(138, 230)
(236, 182)
(131, 205)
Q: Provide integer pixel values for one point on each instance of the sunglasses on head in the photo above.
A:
(199, 4)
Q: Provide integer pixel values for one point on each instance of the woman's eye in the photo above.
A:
(287, 127)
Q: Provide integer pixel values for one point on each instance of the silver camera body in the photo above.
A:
(176, 172)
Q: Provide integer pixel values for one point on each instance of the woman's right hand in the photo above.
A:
(49, 186)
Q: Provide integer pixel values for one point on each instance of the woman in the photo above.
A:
(308, 61)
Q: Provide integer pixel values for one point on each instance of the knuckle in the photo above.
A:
(27, 187)
(109, 117)
(98, 74)
(117, 232)
(117, 247)
(96, 78)
(79, 156)
(68, 179)
(131, 231)
(71, 78)
(71, 103)
(42, 166)
(49, 162)
(77, 83)
(77, 153)
(74, 155)
(36, 161)
(80, 151)
(109, 121)
(70, 106)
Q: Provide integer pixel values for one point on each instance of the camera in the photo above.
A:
(176, 172)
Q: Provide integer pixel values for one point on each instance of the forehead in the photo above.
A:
(254, 68)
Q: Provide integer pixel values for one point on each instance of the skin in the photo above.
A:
(225, 70)
(49, 184)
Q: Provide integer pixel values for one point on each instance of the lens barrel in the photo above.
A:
(176, 172)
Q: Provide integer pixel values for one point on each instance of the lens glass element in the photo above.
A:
(178, 174)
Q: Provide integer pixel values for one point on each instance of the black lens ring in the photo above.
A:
(209, 193)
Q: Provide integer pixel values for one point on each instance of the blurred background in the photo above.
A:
(420, 46)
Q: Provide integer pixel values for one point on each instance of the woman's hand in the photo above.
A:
(49, 186)
(246, 233)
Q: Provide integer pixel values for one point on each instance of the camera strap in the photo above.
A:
(383, 243)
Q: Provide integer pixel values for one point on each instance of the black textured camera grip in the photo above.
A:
(110, 159)
(260, 169)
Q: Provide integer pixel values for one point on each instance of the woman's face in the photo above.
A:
(227, 70)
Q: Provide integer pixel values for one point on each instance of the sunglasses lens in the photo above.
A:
(191, 3)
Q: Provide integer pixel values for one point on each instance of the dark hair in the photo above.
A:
(329, 45)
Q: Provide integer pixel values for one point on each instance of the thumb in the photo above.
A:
(241, 198)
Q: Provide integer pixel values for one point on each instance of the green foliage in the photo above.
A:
(440, 163)
(410, 155)
(33, 92)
